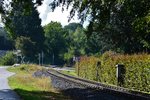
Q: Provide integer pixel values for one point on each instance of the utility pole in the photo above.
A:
(42, 57)
(39, 59)
(53, 58)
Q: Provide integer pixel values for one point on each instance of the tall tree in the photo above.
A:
(73, 26)
(5, 42)
(124, 22)
(55, 42)
(6, 4)
(26, 25)
(76, 41)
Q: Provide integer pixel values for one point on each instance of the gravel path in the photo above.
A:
(5, 91)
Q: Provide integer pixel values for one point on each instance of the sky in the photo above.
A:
(47, 15)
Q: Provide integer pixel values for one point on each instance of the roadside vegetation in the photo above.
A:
(32, 88)
(122, 26)
(137, 69)
(8, 59)
(71, 73)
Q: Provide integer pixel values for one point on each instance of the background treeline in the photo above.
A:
(121, 26)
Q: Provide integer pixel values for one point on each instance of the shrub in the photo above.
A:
(87, 67)
(8, 59)
(137, 68)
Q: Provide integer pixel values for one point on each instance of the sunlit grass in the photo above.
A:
(71, 73)
(31, 88)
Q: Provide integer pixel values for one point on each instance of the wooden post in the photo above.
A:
(78, 67)
(39, 59)
(42, 57)
(120, 74)
(97, 70)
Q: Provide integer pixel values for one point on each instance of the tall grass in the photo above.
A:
(31, 88)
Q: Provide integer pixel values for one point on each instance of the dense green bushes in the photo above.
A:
(8, 59)
(137, 67)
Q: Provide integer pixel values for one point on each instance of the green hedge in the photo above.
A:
(8, 59)
(137, 68)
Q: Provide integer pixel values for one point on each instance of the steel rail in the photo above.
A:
(97, 85)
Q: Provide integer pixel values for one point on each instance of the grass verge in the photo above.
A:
(31, 88)
(71, 73)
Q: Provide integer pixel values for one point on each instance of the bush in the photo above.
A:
(8, 59)
(137, 68)
(87, 67)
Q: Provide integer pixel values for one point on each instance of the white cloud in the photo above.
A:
(47, 15)
(59, 16)
(44, 9)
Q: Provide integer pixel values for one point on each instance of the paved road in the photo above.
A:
(5, 91)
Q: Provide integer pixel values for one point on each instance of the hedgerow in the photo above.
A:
(137, 68)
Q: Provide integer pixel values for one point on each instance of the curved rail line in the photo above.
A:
(101, 86)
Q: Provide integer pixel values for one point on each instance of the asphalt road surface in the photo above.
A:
(5, 91)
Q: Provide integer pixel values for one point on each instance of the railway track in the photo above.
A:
(91, 90)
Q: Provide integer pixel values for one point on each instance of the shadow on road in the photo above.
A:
(7, 94)
(41, 95)
(74, 94)
(94, 94)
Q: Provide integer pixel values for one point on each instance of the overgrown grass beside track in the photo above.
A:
(71, 73)
(31, 88)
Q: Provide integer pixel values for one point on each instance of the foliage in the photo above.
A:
(86, 67)
(25, 45)
(73, 26)
(8, 59)
(97, 45)
(55, 42)
(62, 44)
(71, 73)
(125, 23)
(29, 87)
(25, 25)
(137, 68)
(76, 41)
(7, 4)
(118, 25)
(5, 42)
(122, 22)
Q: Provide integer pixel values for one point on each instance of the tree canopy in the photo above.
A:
(25, 29)
(5, 42)
(123, 24)
(55, 42)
